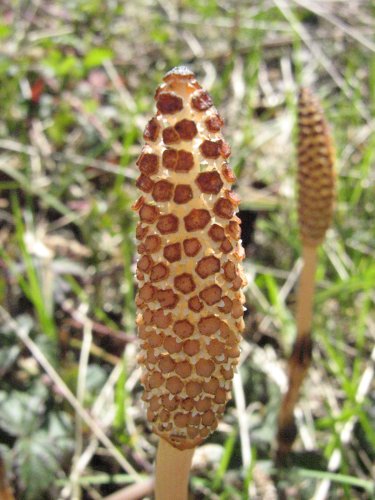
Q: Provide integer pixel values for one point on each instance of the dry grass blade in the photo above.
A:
(364, 386)
(81, 386)
(313, 47)
(316, 186)
(65, 391)
(318, 54)
(317, 9)
(135, 491)
(100, 411)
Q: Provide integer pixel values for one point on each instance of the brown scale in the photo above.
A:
(189, 270)
(316, 179)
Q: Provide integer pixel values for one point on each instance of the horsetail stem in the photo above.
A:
(316, 191)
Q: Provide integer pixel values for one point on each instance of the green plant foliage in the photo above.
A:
(40, 445)
(96, 56)
(38, 456)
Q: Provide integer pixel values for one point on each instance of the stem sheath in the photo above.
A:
(300, 358)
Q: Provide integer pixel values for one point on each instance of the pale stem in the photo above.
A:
(306, 290)
(172, 472)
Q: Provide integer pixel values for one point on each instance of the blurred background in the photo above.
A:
(77, 80)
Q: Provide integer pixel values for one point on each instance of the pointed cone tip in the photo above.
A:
(182, 72)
